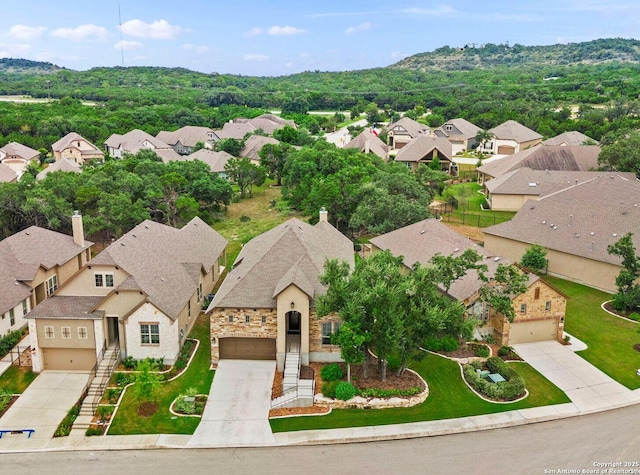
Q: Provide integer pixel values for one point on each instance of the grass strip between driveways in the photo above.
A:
(198, 376)
(449, 397)
(609, 339)
(17, 378)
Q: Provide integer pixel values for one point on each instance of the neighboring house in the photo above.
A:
(215, 160)
(543, 157)
(540, 310)
(238, 128)
(572, 138)
(18, 157)
(143, 292)
(511, 137)
(132, 142)
(253, 145)
(7, 174)
(35, 262)
(510, 191)
(368, 142)
(403, 131)
(575, 225)
(425, 149)
(75, 147)
(185, 139)
(265, 308)
(460, 132)
(62, 165)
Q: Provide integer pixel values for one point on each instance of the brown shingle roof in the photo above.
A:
(19, 150)
(465, 128)
(410, 126)
(7, 175)
(67, 142)
(235, 130)
(62, 165)
(419, 147)
(572, 138)
(369, 142)
(133, 141)
(215, 160)
(254, 144)
(512, 130)
(68, 307)
(188, 135)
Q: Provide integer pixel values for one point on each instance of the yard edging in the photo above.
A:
(615, 314)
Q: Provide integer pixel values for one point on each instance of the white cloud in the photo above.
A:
(82, 33)
(128, 45)
(158, 30)
(253, 32)
(358, 28)
(24, 32)
(284, 30)
(13, 50)
(255, 57)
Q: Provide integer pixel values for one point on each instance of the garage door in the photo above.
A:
(248, 348)
(69, 359)
(527, 332)
(506, 150)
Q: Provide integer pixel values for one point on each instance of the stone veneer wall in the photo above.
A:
(315, 335)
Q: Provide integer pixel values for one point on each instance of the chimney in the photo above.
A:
(324, 215)
(78, 229)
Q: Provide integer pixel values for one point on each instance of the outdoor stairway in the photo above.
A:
(96, 390)
(296, 392)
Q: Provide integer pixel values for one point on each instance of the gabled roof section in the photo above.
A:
(572, 138)
(235, 130)
(418, 148)
(291, 253)
(67, 142)
(408, 126)
(19, 150)
(254, 144)
(189, 135)
(512, 130)
(368, 142)
(134, 141)
(68, 307)
(461, 127)
(62, 165)
(215, 160)
(7, 175)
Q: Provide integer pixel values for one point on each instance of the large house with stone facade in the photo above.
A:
(265, 308)
(540, 310)
(142, 294)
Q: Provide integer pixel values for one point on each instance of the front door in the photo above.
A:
(293, 322)
(113, 331)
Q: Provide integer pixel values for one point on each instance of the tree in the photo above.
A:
(352, 344)
(534, 258)
(623, 155)
(147, 381)
(272, 159)
(628, 295)
(482, 137)
(231, 146)
(507, 282)
(244, 174)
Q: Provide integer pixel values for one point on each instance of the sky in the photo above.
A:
(282, 37)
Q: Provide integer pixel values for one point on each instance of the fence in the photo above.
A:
(476, 219)
(16, 354)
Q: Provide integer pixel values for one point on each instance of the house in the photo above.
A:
(572, 138)
(35, 262)
(132, 142)
(403, 131)
(215, 160)
(265, 308)
(62, 165)
(368, 142)
(510, 191)
(511, 137)
(240, 127)
(7, 174)
(75, 147)
(253, 145)
(142, 294)
(460, 132)
(423, 150)
(575, 226)
(185, 139)
(18, 157)
(543, 157)
(539, 310)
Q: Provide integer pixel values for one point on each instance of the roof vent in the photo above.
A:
(162, 279)
(551, 225)
(577, 235)
(146, 226)
(27, 233)
(122, 244)
(496, 259)
(134, 235)
(456, 249)
(615, 234)
(422, 231)
(532, 184)
(544, 222)
(592, 233)
(555, 227)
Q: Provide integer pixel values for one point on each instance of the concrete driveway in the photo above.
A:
(588, 388)
(237, 412)
(42, 407)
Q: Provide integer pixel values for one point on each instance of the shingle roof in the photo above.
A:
(581, 220)
(215, 160)
(165, 262)
(68, 307)
(573, 138)
(369, 142)
(416, 150)
(291, 253)
(235, 130)
(412, 127)
(466, 128)
(7, 174)
(62, 165)
(168, 155)
(254, 144)
(67, 142)
(546, 157)
(188, 135)
(22, 151)
(133, 141)
(512, 130)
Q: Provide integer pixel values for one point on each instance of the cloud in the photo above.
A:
(358, 28)
(24, 32)
(128, 45)
(284, 31)
(82, 33)
(13, 50)
(255, 57)
(253, 32)
(198, 49)
(158, 30)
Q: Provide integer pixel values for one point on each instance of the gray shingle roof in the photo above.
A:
(133, 141)
(62, 165)
(581, 220)
(512, 130)
(254, 144)
(189, 135)
(291, 253)
(410, 126)
(369, 142)
(573, 138)
(19, 150)
(215, 160)
(68, 307)
(416, 150)
(467, 129)
(235, 130)
(67, 142)
(7, 175)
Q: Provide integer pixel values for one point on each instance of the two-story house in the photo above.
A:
(75, 147)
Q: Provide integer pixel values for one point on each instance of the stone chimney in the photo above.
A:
(324, 215)
(78, 229)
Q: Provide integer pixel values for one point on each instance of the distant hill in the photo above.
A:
(488, 56)
(20, 65)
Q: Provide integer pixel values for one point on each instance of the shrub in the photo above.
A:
(122, 379)
(376, 392)
(393, 363)
(433, 344)
(103, 412)
(112, 394)
(185, 406)
(64, 428)
(513, 387)
(5, 398)
(449, 343)
(10, 340)
(93, 431)
(331, 372)
(634, 316)
(329, 388)
(345, 390)
(129, 363)
(481, 351)
(504, 350)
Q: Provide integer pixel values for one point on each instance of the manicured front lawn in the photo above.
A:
(16, 379)
(449, 397)
(610, 339)
(198, 376)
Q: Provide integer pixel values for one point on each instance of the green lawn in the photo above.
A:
(16, 379)
(198, 376)
(610, 339)
(449, 397)
(470, 203)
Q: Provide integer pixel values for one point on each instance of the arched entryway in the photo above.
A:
(294, 327)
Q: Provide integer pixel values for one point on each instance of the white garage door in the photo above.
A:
(527, 332)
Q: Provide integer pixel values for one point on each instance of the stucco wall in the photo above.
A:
(19, 320)
(509, 202)
(84, 283)
(58, 342)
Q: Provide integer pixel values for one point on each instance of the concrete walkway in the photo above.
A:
(42, 407)
(237, 412)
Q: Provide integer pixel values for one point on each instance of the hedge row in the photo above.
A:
(10, 340)
(512, 388)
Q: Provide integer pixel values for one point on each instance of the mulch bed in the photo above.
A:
(11, 401)
(620, 313)
(147, 409)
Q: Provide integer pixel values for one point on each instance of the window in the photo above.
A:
(99, 280)
(149, 333)
(108, 280)
(25, 308)
(536, 293)
(247, 319)
(523, 308)
(547, 306)
(82, 333)
(199, 292)
(264, 319)
(48, 332)
(66, 332)
(328, 329)
(230, 319)
(448, 127)
(104, 280)
(52, 285)
(12, 317)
